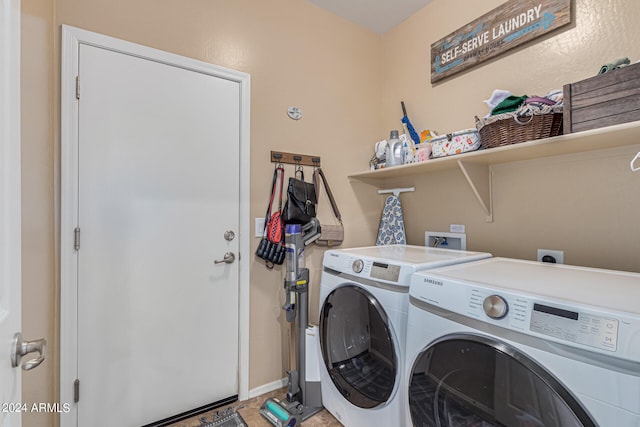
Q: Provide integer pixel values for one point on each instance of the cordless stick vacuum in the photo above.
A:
(303, 398)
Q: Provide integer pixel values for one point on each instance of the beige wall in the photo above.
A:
(587, 204)
(38, 214)
(349, 83)
(296, 54)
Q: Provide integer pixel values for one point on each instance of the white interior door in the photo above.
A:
(158, 188)
(10, 285)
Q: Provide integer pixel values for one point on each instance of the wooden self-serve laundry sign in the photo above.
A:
(505, 27)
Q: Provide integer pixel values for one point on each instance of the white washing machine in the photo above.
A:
(364, 297)
(504, 342)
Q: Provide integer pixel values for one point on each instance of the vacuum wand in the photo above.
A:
(302, 399)
(296, 286)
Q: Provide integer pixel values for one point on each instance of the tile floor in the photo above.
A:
(253, 418)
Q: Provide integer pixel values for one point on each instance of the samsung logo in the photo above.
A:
(434, 282)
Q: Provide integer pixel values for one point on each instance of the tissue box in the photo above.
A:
(455, 143)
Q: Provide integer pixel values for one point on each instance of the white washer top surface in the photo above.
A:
(610, 289)
(395, 263)
(420, 256)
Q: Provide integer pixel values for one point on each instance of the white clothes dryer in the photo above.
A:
(504, 342)
(364, 297)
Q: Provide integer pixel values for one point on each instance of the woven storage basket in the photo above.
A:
(511, 128)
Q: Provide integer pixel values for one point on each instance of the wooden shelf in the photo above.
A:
(476, 165)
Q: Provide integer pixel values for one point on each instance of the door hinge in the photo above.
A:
(76, 238)
(77, 87)
(76, 391)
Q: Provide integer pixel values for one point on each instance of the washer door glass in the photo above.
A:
(358, 347)
(468, 380)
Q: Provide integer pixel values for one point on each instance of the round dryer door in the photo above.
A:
(358, 346)
(468, 380)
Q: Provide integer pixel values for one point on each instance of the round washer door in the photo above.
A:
(468, 380)
(358, 346)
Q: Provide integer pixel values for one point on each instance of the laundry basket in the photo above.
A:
(513, 128)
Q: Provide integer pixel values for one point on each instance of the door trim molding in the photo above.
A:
(10, 218)
(10, 200)
(72, 38)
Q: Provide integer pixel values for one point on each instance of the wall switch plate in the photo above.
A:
(550, 255)
(259, 227)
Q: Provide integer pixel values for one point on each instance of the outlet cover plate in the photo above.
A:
(456, 228)
(558, 255)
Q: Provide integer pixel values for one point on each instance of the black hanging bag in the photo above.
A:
(301, 200)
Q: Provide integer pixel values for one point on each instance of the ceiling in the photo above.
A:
(377, 15)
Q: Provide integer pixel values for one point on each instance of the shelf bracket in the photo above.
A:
(479, 178)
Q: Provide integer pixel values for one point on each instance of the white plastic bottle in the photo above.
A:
(394, 150)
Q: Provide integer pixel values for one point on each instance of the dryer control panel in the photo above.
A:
(563, 321)
(551, 320)
(588, 329)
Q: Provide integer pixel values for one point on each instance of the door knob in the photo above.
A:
(21, 348)
(228, 258)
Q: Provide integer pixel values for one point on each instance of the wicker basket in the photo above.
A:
(510, 128)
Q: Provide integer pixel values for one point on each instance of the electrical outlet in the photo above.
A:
(550, 255)
(259, 227)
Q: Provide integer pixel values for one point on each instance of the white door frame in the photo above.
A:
(10, 210)
(72, 38)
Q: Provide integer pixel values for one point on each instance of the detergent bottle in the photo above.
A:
(394, 150)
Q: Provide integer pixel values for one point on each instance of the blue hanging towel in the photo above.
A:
(391, 229)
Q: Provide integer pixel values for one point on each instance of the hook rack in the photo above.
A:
(396, 191)
(295, 159)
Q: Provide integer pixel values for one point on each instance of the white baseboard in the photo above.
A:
(266, 388)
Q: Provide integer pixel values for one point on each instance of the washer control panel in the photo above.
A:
(369, 268)
(383, 271)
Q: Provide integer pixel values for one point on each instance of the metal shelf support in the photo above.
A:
(479, 178)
